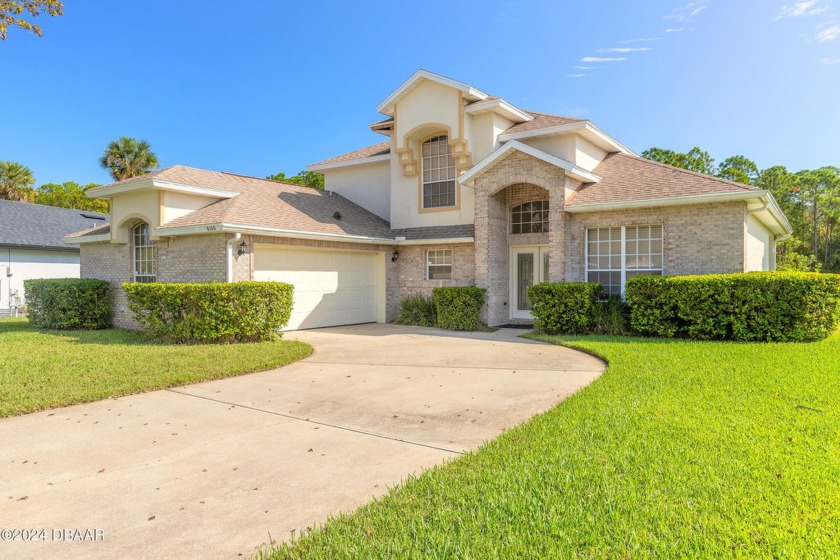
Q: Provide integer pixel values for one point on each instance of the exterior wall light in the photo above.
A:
(243, 248)
(395, 256)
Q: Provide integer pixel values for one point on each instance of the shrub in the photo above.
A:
(611, 316)
(68, 303)
(211, 312)
(564, 308)
(417, 310)
(754, 306)
(458, 307)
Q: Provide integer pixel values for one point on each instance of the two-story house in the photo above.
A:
(466, 189)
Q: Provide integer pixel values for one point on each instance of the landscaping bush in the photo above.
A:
(417, 310)
(611, 316)
(211, 312)
(564, 308)
(755, 306)
(68, 303)
(458, 307)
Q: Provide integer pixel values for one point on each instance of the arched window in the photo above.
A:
(143, 254)
(439, 173)
(531, 217)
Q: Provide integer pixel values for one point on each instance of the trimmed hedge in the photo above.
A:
(564, 308)
(458, 307)
(68, 303)
(211, 312)
(754, 306)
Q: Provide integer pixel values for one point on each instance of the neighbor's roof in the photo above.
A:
(262, 203)
(42, 227)
(627, 178)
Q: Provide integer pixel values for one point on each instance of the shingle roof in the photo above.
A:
(435, 232)
(37, 226)
(90, 232)
(540, 120)
(270, 204)
(376, 150)
(627, 178)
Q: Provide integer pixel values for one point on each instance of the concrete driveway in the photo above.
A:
(217, 469)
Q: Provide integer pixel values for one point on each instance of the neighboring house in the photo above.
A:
(31, 246)
(468, 189)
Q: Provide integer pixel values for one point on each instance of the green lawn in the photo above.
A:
(680, 450)
(45, 369)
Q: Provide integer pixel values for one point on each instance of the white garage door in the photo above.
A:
(331, 287)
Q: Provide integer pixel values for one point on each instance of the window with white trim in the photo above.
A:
(439, 173)
(143, 254)
(531, 217)
(617, 254)
(439, 264)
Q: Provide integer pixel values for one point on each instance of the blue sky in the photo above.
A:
(274, 87)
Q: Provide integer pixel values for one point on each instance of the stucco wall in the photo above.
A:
(760, 245)
(698, 239)
(366, 185)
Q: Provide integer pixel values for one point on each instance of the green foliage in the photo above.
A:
(70, 195)
(417, 310)
(127, 157)
(756, 306)
(611, 316)
(458, 307)
(211, 312)
(739, 169)
(564, 308)
(11, 10)
(694, 160)
(68, 303)
(310, 179)
(16, 181)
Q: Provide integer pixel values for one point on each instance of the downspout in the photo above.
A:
(229, 254)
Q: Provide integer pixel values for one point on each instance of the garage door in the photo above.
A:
(331, 287)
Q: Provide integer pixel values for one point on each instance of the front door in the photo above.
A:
(528, 266)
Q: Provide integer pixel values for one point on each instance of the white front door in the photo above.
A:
(528, 266)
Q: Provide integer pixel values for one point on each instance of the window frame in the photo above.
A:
(143, 232)
(429, 264)
(623, 268)
(430, 183)
(544, 228)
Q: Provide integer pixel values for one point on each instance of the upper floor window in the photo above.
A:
(531, 217)
(439, 174)
(143, 254)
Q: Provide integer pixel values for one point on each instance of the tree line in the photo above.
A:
(810, 199)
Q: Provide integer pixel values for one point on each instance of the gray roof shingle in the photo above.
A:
(38, 226)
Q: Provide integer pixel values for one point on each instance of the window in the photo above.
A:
(144, 258)
(616, 254)
(439, 264)
(439, 173)
(531, 217)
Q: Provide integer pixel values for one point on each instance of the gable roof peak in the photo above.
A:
(470, 93)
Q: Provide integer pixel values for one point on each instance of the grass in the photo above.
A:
(46, 369)
(680, 450)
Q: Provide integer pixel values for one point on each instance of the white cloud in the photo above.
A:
(640, 40)
(576, 75)
(679, 29)
(687, 12)
(584, 68)
(828, 33)
(601, 59)
(624, 50)
(799, 9)
(830, 61)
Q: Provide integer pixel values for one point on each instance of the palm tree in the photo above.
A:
(16, 182)
(126, 158)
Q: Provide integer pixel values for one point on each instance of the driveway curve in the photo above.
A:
(220, 468)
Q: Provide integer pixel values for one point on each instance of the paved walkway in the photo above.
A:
(217, 469)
